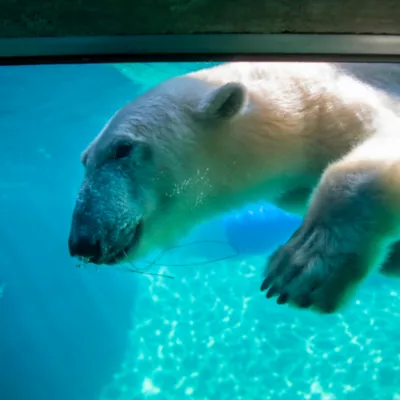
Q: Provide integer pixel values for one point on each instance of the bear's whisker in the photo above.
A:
(154, 262)
(144, 271)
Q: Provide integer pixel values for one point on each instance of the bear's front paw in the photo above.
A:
(316, 268)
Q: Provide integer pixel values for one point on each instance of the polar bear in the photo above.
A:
(308, 137)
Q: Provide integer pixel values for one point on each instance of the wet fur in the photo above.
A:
(280, 132)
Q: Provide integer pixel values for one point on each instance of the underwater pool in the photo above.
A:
(200, 329)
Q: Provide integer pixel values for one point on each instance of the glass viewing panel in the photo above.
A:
(132, 262)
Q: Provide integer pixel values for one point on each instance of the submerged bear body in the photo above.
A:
(305, 136)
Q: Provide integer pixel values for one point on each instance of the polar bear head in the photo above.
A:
(153, 171)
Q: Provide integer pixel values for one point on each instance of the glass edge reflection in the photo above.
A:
(198, 47)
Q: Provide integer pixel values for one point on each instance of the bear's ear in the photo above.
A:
(224, 102)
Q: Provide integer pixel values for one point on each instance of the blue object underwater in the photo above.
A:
(259, 228)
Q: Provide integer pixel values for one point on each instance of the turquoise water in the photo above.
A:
(71, 333)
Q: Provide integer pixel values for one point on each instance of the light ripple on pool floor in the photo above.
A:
(210, 334)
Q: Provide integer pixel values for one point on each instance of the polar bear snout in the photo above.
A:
(99, 245)
(84, 246)
(92, 248)
(86, 239)
(106, 221)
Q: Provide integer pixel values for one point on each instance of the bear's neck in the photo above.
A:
(229, 185)
(242, 166)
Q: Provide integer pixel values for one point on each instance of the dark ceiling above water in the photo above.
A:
(34, 18)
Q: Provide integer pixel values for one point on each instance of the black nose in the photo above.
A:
(84, 246)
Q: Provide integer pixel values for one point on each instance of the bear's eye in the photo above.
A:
(123, 150)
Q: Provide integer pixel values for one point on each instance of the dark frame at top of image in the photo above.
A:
(200, 47)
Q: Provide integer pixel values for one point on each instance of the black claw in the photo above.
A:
(272, 292)
(266, 283)
(282, 299)
(305, 303)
